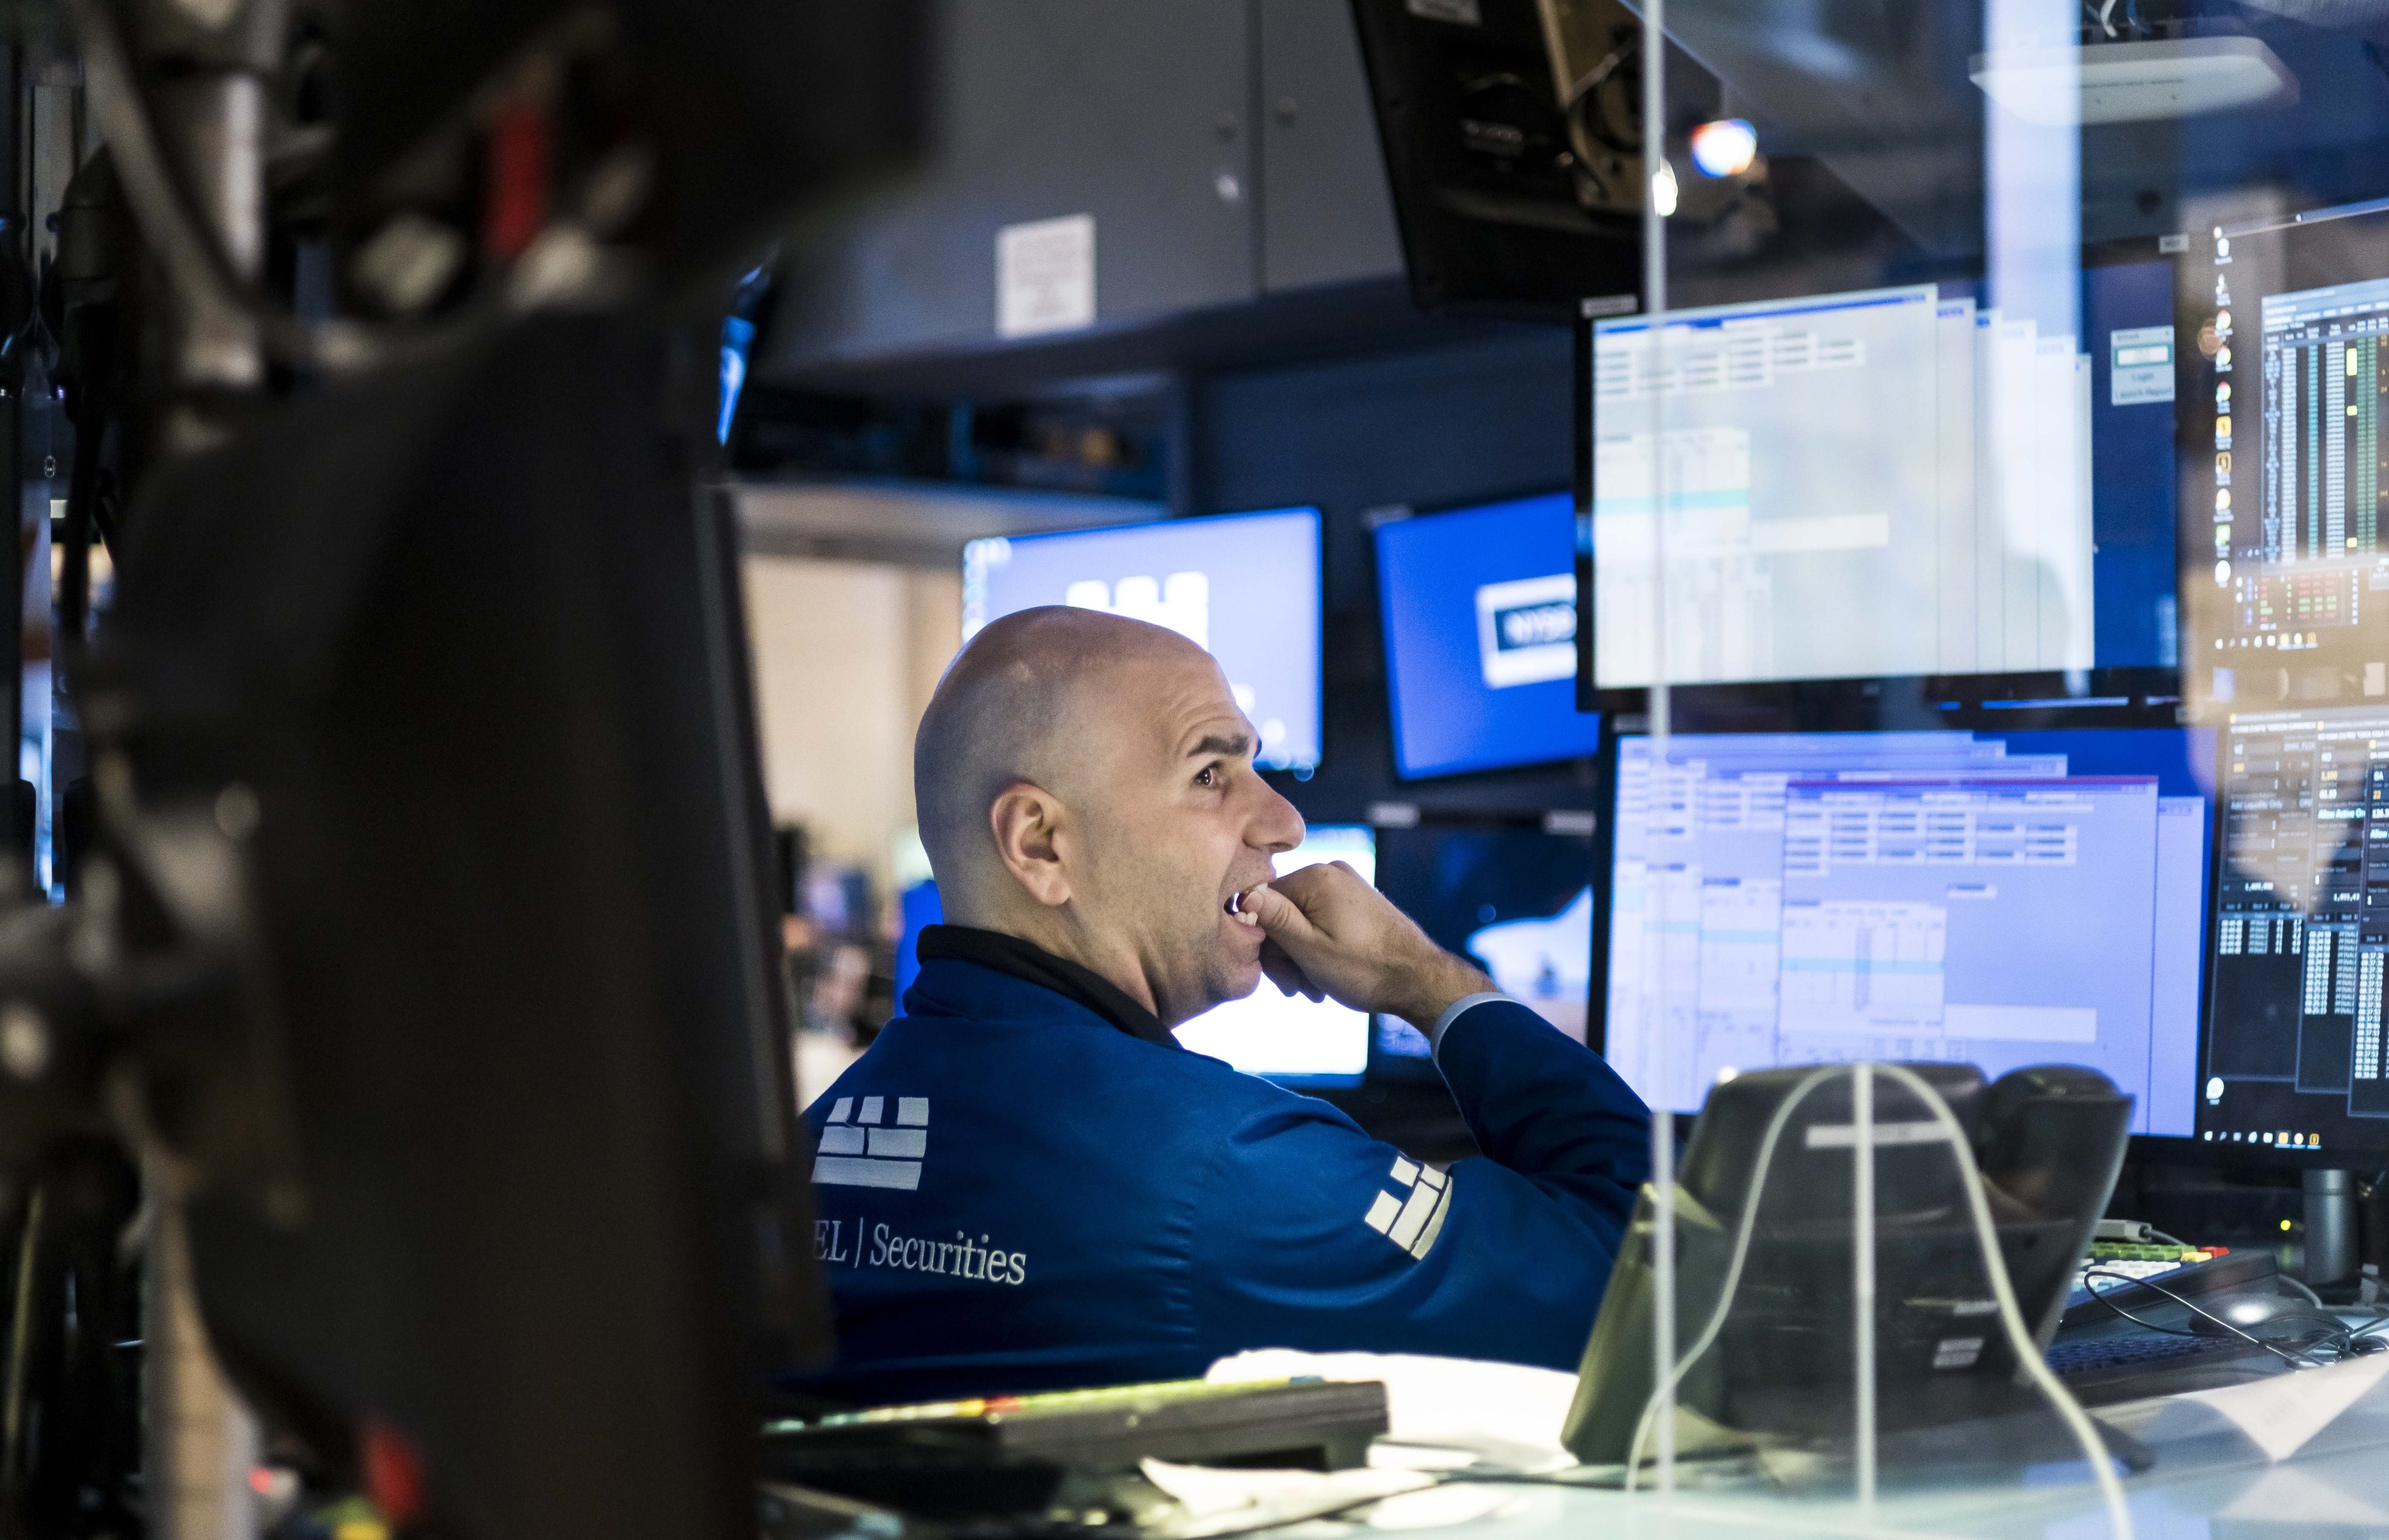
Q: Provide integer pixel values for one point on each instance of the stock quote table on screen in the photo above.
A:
(1891, 482)
(2000, 900)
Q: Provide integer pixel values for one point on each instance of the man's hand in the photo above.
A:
(1330, 933)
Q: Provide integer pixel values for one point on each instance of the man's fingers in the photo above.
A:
(1274, 912)
(1284, 972)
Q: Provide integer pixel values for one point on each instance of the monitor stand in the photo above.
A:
(2330, 1269)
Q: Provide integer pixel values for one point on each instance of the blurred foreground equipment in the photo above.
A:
(420, 956)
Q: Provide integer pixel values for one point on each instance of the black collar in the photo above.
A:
(1009, 954)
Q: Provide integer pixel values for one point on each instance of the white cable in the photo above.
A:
(1732, 1268)
(2028, 1356)
(2077, 1422)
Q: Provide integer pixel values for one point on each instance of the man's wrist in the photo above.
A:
(1439, 986)
(1454, 1013)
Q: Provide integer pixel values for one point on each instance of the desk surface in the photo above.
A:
(2212, 1479)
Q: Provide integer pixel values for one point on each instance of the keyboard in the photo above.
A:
(2140, 1350)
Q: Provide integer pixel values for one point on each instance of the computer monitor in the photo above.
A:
(1244, 587)
(1892, 482)
(1997, 898)
(510, 889)
(1479, 611)
(1286, 1037)
(1514, 898)
(2281, 459)
(1512, 195)
(2293, 1054)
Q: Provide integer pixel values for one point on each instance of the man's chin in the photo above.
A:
(1244, 980)
(1231, 980)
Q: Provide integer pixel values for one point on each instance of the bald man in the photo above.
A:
(1026, 1184)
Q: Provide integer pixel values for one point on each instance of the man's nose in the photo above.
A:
(1276, 826)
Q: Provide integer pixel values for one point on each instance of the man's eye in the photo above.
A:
(1207, 776)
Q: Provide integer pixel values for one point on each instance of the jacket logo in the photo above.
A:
(1411, 1222)
(857, 1149)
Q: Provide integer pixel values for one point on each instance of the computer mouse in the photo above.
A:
(2258, 1314)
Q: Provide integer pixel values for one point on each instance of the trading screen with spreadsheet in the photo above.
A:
(1889, 483)
(2000, 899)
(2294, 1053)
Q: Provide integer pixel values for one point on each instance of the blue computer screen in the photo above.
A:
(1244, 587)
(1478, 607)
(2001, 899)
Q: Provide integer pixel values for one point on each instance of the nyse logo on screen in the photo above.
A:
(1526, 630)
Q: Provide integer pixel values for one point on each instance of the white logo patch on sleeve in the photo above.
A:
(860, 1148)
(1414, 1221)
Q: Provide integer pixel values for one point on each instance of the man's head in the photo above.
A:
(1086, 784)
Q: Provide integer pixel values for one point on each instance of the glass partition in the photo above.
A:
(1984, 512)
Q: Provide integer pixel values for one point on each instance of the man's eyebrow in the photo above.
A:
(1235, 745)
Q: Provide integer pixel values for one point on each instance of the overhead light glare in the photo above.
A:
(1726, 146)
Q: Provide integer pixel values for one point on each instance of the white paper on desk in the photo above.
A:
(1227, 1501)
(2282, 1412)
(2294, 1494)
(1509, 1414)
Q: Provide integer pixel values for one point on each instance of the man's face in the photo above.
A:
(1175, 823)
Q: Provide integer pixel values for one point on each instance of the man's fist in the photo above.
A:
(1331, 933)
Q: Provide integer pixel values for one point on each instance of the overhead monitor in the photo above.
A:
(1479, 611)
(2001, 899)
(1518, 902)
(1244, 587)
(1892, 482)
(2301, 933)
(2290, 316)
(1513, 194)
(1286, 1037)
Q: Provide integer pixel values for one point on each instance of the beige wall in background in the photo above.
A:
(846, 657)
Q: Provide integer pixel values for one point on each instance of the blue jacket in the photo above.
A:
(1016, 1194)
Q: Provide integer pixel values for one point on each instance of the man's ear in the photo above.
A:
(1025, 820)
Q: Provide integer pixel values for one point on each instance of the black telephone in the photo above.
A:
(1774, 1364)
